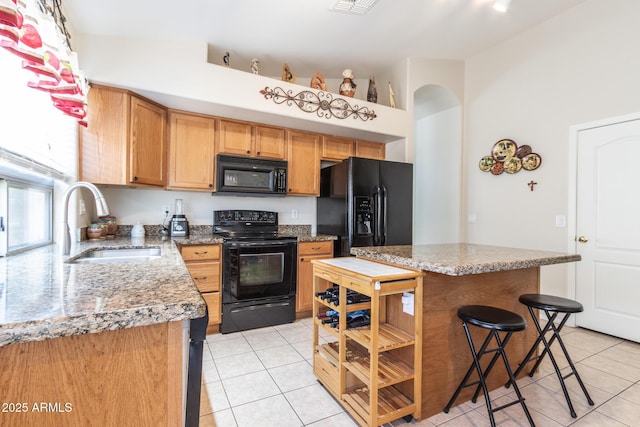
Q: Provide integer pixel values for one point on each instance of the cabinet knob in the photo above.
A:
(258, 153)
(248, 151)
(210, 185)
(301, 259)
(583, 239)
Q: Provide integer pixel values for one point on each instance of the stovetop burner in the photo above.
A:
(247, 225)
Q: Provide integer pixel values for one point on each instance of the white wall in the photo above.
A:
(578, 67)
(437, 177)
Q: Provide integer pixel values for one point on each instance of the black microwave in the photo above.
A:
(250, 176)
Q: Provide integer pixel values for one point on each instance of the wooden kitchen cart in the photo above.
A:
(375, 366)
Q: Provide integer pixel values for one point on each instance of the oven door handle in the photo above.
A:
(258, 244)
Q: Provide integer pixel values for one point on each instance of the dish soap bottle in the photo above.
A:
(137, 230)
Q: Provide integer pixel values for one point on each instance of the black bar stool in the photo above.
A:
(552, 307)
(495, 320)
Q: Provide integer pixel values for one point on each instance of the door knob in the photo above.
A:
(583, 239)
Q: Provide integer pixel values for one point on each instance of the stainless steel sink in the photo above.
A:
(101, 256)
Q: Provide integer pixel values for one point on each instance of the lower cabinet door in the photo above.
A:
(213, 303)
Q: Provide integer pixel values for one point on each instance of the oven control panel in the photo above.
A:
(229, 217)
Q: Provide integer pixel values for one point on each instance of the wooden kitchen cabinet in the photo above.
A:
(124, 142)
(304, 163)
(337, 149)
(370, 150)
(203, 263)
(307, 252)
(251, 140)
(191, 151)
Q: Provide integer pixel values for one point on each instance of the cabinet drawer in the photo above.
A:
(206, 275)
(315, 248)
(200, 252)
(326, 373)
(213, 303)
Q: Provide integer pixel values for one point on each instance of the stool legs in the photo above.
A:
(550, 326)
(481, 384)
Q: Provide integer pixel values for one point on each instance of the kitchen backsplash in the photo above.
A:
(156, 230)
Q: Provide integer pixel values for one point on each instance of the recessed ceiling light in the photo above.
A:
(502, 5)
(359, 7)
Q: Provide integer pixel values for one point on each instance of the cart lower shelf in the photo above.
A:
(392, 404)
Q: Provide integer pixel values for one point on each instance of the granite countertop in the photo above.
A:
(43, 297)
(459, 259)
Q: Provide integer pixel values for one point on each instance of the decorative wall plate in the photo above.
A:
(504, 149)
(486, 162)
(512, 165)
(523, 150)
(531, 161)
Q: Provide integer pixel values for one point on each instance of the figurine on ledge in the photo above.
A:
(317, 82)
(348, 87)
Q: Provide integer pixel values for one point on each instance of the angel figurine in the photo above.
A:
(392, 97)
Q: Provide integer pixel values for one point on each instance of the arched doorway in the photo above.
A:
(437, 142)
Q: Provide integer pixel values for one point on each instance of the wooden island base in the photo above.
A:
(116, 378)
(446, 355)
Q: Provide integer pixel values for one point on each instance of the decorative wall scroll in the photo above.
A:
(507, 157)
(321, 103)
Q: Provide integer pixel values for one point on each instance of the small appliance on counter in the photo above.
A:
(179, 224)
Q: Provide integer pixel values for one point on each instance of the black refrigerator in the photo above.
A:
(366, 202)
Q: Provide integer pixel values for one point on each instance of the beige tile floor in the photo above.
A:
(264, 377)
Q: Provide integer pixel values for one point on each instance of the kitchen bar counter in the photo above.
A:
(463, 274)
(44, 297)
(459, 259)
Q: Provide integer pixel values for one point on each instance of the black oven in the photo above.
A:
(258, 270)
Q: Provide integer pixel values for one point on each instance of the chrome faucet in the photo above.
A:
(101, 209)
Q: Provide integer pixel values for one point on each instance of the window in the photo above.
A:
(26, 215)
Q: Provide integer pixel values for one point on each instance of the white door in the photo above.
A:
(608, 229)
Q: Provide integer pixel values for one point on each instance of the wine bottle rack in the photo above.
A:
(372, 366)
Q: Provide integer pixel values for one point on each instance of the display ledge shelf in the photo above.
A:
(392, 405)
(391, 370)
(389, 337)
(350, 307)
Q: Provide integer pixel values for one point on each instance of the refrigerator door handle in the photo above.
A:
(377, 215)
(383, 227)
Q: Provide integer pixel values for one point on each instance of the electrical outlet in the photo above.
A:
(165, 210)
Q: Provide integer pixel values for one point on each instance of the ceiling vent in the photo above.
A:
(359, 7)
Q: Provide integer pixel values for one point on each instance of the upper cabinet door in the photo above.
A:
(304, 163)
(125, 140)
(147, 143)
(191, 151)
(103, 143)
(235, 138)
(337, 149)
(270, 142)
(370, 150)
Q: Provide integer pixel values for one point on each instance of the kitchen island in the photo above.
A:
(461, 274)
(95, 343)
